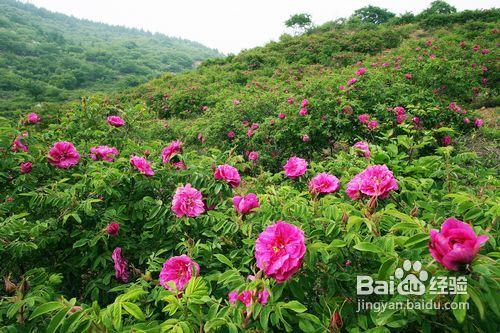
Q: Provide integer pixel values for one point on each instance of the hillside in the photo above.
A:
(251, 193)
(46, 56)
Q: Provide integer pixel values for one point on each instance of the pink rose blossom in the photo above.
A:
(253, 156)
(174, 148)
(263, 296)
(233, 297)
(290, 100)
(17, 144)
(324, 183)
(33, 118)
(250, 133)
(281, 116)
(306, 138)
(104, 153)
(466, 120)
(446, 140)
(26, 167)
(177, 271)
(375, 181)
(361, 71)
(295, 167)
(142, 165)
(279, 250)
(229, 174)
(478, 122)
(231, 135)
(245, 204)
(352, 81)
(236, 102)
(303, 111)
(456, 245)
(63, 155)
(188, 202)
(245, 297)
(342, 88)
(179, 165)
(116, 121)
(254, 126)
(113, 228)
(372, 125)
(304, 103)
(363, 147)
(364, 118)
(121, 271)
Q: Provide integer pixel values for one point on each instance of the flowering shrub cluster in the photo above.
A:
(259, 213)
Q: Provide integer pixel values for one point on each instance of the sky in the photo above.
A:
(228, 25)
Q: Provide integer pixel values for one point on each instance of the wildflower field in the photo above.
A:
(250, 194)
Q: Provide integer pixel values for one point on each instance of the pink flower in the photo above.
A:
(485, 51)
(17, 145)
(281, 116)
(408, 76)
(254, 126)
(304, 103)
(478, 122)
(245, 297)
(364, 118)
(375, 181)
(253, 156)
(236, 102)
(263, 296)
(399, 110)
(324, 183)
(250, 133)
(231, 135)
(116, 121)
(245, 204)
(466, 120)
(416, 120)
(233, 297)
(200, 137)
(175, 147)
(342, 88)
(372, 125)
(177, 271)
(187, 201)
(306, 138)
(33, 118)
(303, 111)
(103, 153)
(361, 71)
(26, 167)
(229, 174)
(352, 81)
(63, 155)
(400, 118)
(279, 250)
(113, 228)
(446, 140)
(290, 100)
(121, 272)
(295, 167)
(456, 245)
(142, 165)
(363, 147)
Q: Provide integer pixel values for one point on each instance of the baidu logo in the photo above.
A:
(409, 283)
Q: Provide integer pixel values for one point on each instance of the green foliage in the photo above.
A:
(53, 57)
(299, 22)
(373, 15)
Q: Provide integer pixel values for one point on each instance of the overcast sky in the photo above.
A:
(228, 25)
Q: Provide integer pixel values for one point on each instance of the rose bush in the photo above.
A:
(168, 225)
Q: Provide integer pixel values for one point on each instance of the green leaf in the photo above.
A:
(294, 306)
(459, 311)
(57, 320)
(45, 308)
(367, 247)
(134, 310)
(223, 259)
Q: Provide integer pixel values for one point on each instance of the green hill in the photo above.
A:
(46, 56)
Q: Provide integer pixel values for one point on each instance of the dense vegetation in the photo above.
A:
(46, 56)
(158, 209)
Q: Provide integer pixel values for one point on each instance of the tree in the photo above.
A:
(439, 7)
(373, 14)
(299, 22)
